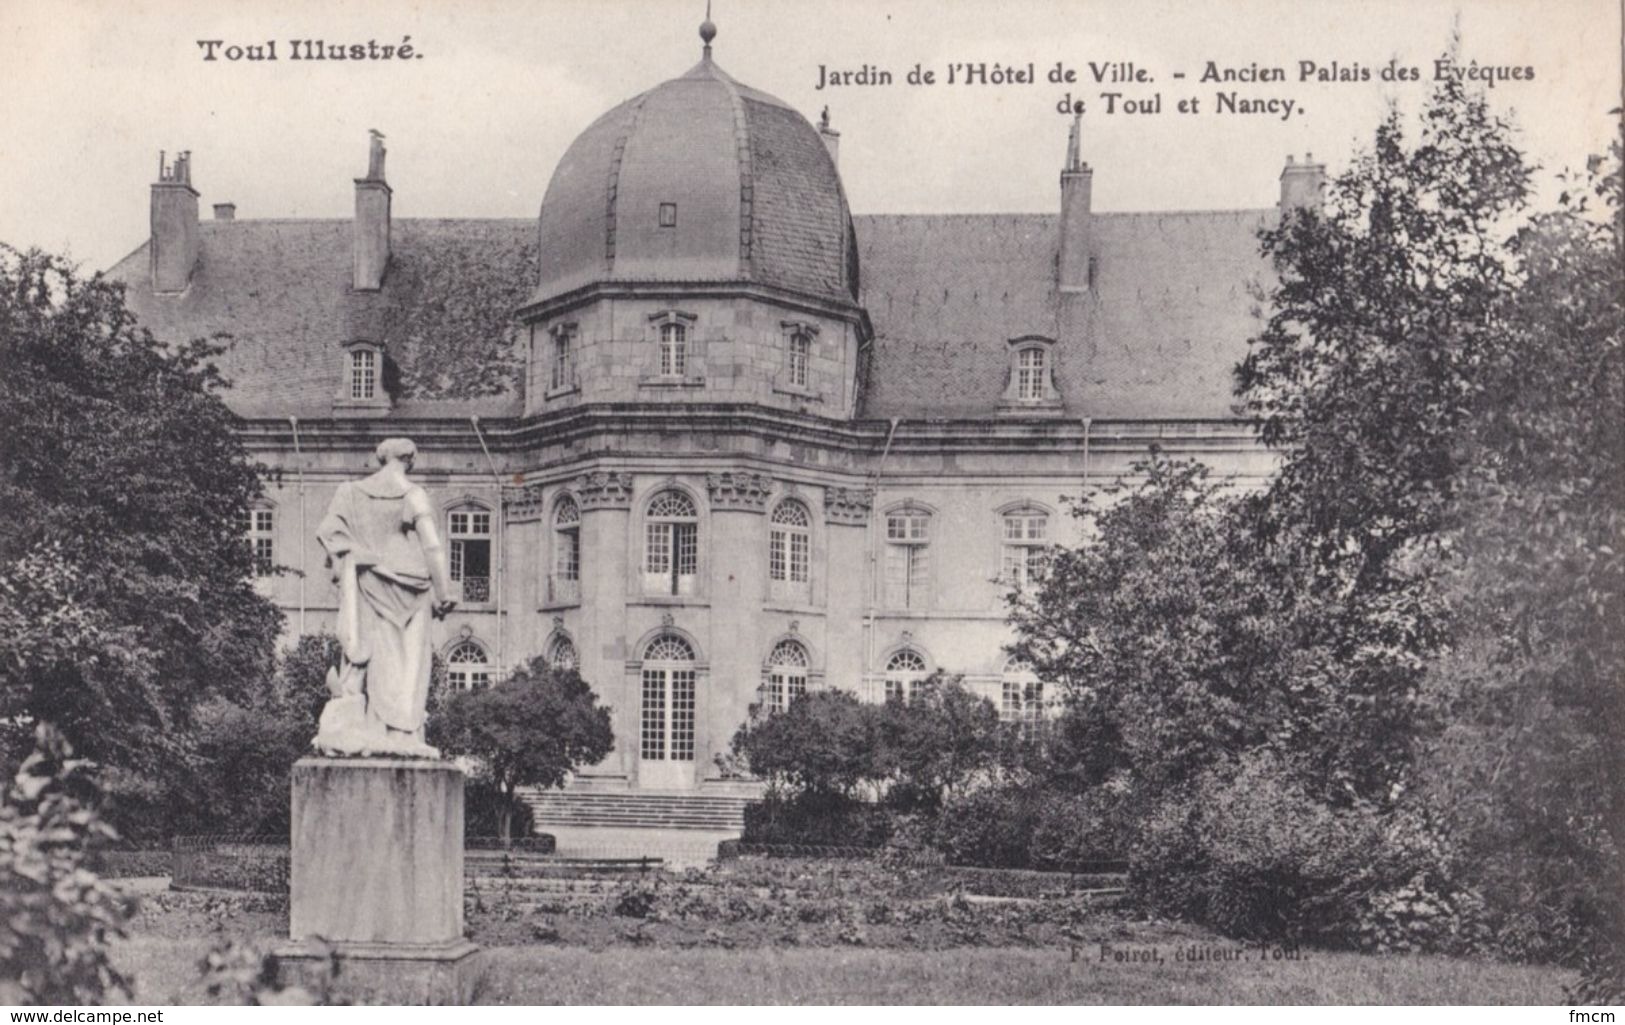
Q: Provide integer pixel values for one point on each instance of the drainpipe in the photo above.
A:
(869, 545)
(293, 422)
(1086, 422)
(500, 563)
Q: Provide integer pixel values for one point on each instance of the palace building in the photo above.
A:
(700, 431)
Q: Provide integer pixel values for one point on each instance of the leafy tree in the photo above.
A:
(250, 744)
(122, 557)
(1531, 773)
(56, 916)
(532, 729)
(827, 742)
(937, 741)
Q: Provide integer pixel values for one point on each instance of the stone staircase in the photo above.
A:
(637, 809)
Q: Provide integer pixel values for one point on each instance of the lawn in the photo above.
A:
(165, 972)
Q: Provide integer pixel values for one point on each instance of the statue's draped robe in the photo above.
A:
(385, 605)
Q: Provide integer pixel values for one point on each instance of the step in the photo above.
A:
(638, 810)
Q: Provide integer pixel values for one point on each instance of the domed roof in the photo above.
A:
(755, 194)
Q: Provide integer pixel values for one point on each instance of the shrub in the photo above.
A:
(992, 827)
(826, 742)
(56, 916)
(818, 819)
(933, 743)
(1077, 831)
(1253, 855)
(483, 807)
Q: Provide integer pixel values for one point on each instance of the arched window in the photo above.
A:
(470, 553)
(1023, 698)
(1030, 374)
(673, 350)
(800, 357)
(363, 374)
(908, 558)
(562, 654)
(564, 584)
(261, 524)
(1026, 546)
(667, 729)
(785, 675)
(467, 667)
(671, 544)
(789, 550)
(904, 671)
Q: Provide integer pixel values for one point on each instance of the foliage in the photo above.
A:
(817, 817)
(826, 742)
(125, 581)
(937, 740)
(532, 729)
(250, 744)
(485, 805)
(1255, 855)
(56, 916)
(993, 827)
(1380, 703)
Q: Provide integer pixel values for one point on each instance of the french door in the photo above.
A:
(666, 735)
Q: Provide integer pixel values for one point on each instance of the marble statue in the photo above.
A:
(384, 547)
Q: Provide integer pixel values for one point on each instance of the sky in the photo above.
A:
(92, 90)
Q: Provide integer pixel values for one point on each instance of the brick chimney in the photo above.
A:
(1077, 182)
(832, 138)
(225, 211)
(174, 246)
(1303, 185)
(372, 221)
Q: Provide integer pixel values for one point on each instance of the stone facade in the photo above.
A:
(716, 480)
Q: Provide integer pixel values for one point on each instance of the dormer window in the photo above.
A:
(1030, 374)
(363, 382)
(363, 374)
(1030, 385)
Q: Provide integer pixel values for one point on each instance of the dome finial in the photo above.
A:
(708, 30)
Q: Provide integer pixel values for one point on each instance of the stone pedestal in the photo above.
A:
(375, 901)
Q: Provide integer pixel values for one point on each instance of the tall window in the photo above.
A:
(471, 553)
(563, 372)
(363, 374)
(562, 654)
(467, 667)
(666, 731)
(789, 549)
(1026, 546)
(904, 671)
(671, 545)
(261, 538)
(565, 583)
(800, 356)
(908, 565)
(1023, 698)
(785, 676)
(673, 350)
(1030, 374)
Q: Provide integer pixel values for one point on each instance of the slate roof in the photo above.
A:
(1156, 338)
(756, 193)
(282, 290)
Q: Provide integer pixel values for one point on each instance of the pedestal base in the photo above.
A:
(375, 882)
(382, 973)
